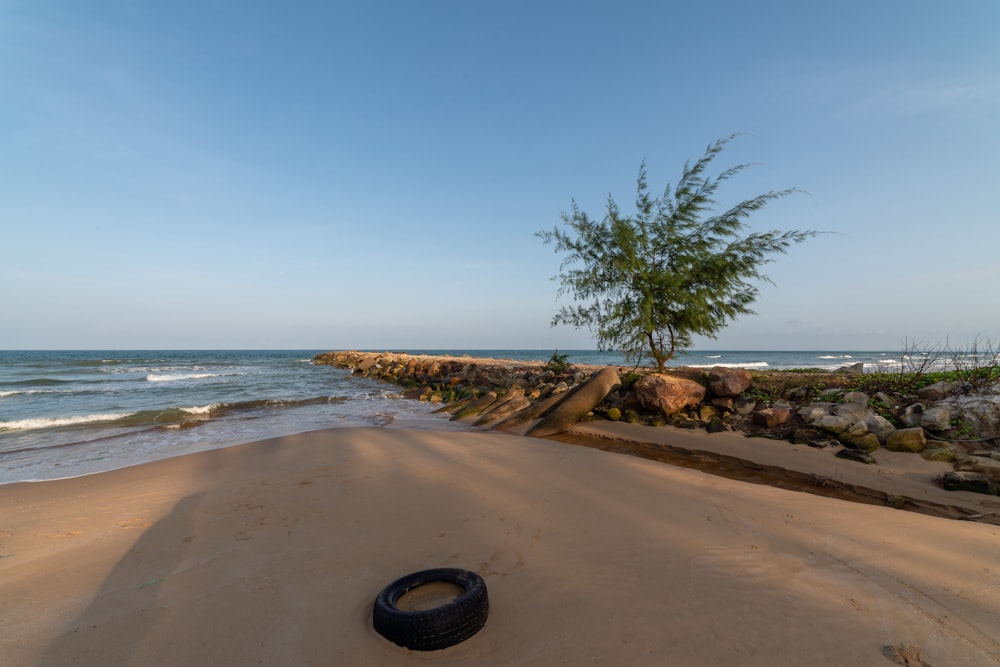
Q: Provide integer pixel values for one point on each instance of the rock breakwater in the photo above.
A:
(817, 409)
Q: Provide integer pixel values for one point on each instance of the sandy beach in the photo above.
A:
(273, 552)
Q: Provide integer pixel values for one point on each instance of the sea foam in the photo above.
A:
(55, 422)
(152, 377)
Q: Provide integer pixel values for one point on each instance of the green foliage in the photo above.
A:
(963, 429)
(759, 394)
(645, 284)
(558, 363)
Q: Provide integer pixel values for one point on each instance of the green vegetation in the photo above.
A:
(646, 283)
(558, 363)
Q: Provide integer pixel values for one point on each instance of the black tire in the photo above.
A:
(437, 628)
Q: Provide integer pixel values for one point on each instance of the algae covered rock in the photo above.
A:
(907, 440)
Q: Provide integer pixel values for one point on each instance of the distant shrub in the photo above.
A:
(559, 363)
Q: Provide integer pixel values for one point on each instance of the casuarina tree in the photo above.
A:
(646, 283)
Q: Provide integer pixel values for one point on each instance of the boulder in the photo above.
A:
(667, 393)
(912, 414)
(771, 417)
(907, 440)
(977, 414)
(936, 418)
(936, 391)
(865, 442)
(852, 411)
(707, 413)
(986, 465)
(716, 425)
(852, 369)
(976, 482)
(831, 394)
(723, 403)
(858, 397)
(728, 382)
(885, 399)
(833, 423)
(879, 425)
(576, 406)
(811, 413)
(939, 454)
(859, 437)
(744, 405)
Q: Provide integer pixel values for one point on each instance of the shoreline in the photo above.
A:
(274, 551)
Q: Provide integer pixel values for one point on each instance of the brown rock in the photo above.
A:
(728, 382)
(771, 417)
(667, 393)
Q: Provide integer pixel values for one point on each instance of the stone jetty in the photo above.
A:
(940, 422)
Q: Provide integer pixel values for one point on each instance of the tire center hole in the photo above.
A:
(429, 596)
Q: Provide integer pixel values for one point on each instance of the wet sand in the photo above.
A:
(273, 553)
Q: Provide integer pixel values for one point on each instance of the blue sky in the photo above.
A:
(339, 175)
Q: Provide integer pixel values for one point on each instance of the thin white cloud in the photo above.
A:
(927, 97)
(889, 91)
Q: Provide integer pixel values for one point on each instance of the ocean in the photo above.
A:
(70, 413)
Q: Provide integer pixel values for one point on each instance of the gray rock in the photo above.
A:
(885, 399)
(977, 414)
(879, 425)
(859, 397)
(811, 413)
(833, 423)
(936, 391)
(852, 411)
(987, 466)
(936, 418)
(912, 414)
(744, 405)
